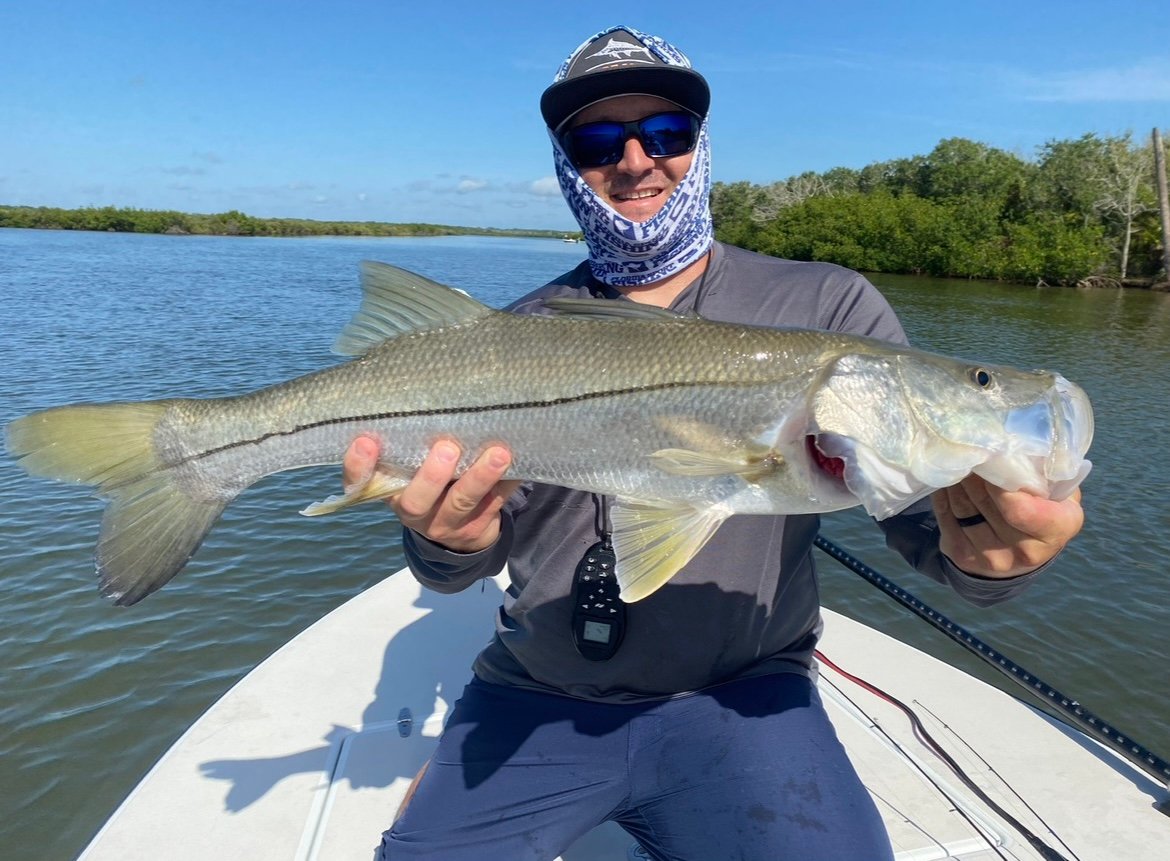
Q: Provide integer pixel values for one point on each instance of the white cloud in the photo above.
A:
(546, 186)
(468, 185)
(1147, 81)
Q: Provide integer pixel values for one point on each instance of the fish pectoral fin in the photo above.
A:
(380, 485)
(653, 543)
(750, 466)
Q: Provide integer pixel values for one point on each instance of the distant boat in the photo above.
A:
(309, 755)
(570, 239)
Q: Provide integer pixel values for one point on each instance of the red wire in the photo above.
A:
(937, 749)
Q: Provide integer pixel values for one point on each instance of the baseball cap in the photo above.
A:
(622, 61)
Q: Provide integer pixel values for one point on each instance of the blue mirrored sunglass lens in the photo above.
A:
(597, 144)
(603, 143)
(667, 134)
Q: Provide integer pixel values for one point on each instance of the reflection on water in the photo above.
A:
(90, 695)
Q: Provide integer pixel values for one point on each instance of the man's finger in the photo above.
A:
(470, 490)
(430, 482)
(361, 458)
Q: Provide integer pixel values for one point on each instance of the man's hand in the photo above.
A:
(462, 514)
(1019, 532)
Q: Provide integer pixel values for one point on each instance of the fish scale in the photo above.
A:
(479, 398)
(683, 421)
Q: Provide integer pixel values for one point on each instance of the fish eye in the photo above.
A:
(981, 377)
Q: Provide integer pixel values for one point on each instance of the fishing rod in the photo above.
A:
(1078, 715)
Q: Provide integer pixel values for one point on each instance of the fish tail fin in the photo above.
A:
(151, 526)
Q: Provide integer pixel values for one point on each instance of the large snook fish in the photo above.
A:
(684, 421)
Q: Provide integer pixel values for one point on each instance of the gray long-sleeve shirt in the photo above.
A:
(747, 604)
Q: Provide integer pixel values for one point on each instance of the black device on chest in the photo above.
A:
(599, 615)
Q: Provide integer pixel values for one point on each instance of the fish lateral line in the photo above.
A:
(462, 410)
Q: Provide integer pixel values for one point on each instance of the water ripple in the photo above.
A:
(91, 695)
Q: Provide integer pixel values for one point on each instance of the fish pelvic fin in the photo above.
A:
(379, 486)
(397, 302)
(151, 527)
(653, 543)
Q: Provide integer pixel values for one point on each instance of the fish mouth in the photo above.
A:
(1049, 440)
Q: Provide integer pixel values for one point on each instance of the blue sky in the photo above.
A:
(427, 111)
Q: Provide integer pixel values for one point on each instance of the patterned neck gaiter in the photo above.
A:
(624, 253)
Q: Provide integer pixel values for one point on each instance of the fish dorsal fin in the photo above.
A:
(608, 309)
(396, 302)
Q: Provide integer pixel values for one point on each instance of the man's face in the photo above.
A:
(638, 185)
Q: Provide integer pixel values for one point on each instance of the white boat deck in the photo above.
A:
(310, 754)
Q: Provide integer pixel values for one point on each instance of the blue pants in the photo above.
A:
(749, 770)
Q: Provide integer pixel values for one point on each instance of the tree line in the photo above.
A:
(1081, 211)
(233, 223)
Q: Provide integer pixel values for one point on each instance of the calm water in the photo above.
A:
(91, 695)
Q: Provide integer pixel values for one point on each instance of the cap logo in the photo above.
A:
(616, 51)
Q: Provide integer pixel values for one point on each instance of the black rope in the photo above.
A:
(1078, 715)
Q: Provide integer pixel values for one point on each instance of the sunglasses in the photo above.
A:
(599, 144)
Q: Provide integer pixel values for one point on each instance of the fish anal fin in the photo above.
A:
(653, 543)
(381, 485)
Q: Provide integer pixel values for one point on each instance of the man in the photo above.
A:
(697, 728)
